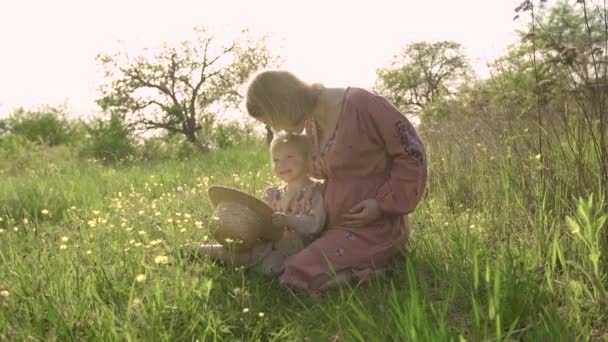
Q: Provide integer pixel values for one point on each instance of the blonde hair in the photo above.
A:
(297, 141)
(279, 93)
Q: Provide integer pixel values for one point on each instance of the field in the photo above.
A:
(90, 252)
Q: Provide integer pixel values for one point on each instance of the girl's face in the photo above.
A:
(288, 164)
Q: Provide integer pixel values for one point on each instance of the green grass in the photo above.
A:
(482, 264)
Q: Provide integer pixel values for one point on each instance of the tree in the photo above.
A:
(566, 36)
(179, 89)
(423, 73)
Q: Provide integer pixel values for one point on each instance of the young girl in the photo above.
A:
(297, 206)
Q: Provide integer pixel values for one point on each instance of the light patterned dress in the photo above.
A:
(373, 153)
(306, 205)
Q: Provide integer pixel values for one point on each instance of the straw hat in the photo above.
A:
(240, 217)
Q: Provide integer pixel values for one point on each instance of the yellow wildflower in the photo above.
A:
(44, 212)
(161, 260)
(140, 278)
(4, 293)
(63, 247)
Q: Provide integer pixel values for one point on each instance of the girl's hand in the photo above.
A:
(280, 219)
(363, 213)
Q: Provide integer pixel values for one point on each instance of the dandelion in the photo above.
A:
(16, 229)
(157, 213)
(141, 212)
(198, 224)
(132, 241)
(141, 232)
(63, 247)
(25, 221)
(245, 310)
(169, 220)
(140, 278)
(92, 223)
(44, 212)
(187, 216)
(178, 214)
(89, 252)
(180, 189)
(4, 293)
(73, 208)
(65, 239)
(1, 231)
(261, 314)
(538, 156)
(138, 244)
(95, 212)
(161, 260)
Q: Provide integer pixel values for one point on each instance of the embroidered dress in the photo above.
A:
(374, 152)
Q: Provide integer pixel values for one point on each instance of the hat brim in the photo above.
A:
(218, 194)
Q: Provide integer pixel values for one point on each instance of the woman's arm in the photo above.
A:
(404, 188)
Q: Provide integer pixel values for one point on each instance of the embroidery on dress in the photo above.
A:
(409, 140)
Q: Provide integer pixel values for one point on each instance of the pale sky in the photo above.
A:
(48, 48)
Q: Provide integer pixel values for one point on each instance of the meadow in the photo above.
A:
(89, 251)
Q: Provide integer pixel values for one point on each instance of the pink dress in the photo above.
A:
(374, 152)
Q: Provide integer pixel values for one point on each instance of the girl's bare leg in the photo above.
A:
(225, 255)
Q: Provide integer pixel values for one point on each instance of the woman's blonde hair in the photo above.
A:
(280, 94)
(297, 141)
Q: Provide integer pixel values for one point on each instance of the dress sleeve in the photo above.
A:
(313, 222)
(407, 175)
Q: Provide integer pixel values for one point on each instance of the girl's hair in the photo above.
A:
(279, 93)
(297, 141)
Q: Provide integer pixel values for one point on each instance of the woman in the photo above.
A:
(374, 166)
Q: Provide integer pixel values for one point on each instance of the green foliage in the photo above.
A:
(423, 73)
(46, 125)
(179, 88)
(109, 140)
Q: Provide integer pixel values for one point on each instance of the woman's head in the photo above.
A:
(281, 100)
(290, 156)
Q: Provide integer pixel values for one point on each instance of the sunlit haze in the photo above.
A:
(48, 48)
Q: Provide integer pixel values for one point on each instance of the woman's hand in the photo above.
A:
(363, 213)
